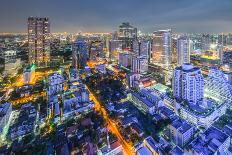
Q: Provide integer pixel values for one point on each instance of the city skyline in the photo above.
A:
(208, 16)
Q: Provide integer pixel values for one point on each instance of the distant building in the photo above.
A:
(183, 50)
(5, 112)
(188, 83)
(181, 132)
(161, 48)
(39, 40)
(139, 64)
(127, 34)
(211, 141)
(115, 47)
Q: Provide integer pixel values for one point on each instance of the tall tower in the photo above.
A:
(127, 34)
(183, 50)
(39, 40)
(161, 48)
(81, 49)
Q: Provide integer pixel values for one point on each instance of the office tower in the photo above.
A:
(96, 50)
(81, 48)
(136, 46)
(205, 42)
(74, 58)
(124, 59)
(142, 47)
(161, 48)
(127, 34)
(183, 50)
(115, 48)
(174, 49)
(145, 48)
(39, 40)
(188, 84)
(222, 39)
(139, 64)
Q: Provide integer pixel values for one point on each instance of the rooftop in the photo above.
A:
(209, 141)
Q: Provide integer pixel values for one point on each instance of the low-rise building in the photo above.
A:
(180, 132)
(211, 141)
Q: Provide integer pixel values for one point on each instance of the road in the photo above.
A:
(111, 125)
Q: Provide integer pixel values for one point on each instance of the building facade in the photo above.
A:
(183, 50)
(188, 84)
(161, 48)
(39, 40)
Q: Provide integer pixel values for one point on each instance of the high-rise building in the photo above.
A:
(81, 48)
(115, 47)
(139, 64)
(161, 48)
(142, 47)
(39, 40)
(205, 42)
(183, 50)
(124, 59)
(127, 34)
(188, 84)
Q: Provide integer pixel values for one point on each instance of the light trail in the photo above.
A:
(111, 125)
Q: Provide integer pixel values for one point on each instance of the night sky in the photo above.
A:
(105, 15)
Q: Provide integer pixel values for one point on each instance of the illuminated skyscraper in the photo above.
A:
(183, 50)
(161, 48)
(39, 40)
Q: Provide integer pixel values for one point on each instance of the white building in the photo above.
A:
(5, 112)
(183, 50)
(181, 132)
(211, 141)
(55, 83)
(145, 100)
(217, 86)
(28, 74)
(139, 64)
(205, 118)
(188, 83)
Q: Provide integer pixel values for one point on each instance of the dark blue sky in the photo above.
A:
(106, 15)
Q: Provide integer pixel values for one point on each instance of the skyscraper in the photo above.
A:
(161, 48)
(81, 49)
(188, 83)
(183, 50)
(39, 40)
(127, 34)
